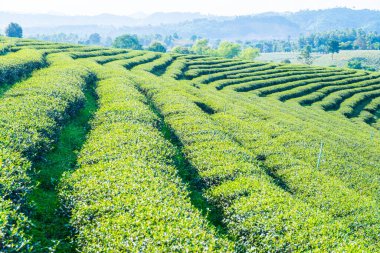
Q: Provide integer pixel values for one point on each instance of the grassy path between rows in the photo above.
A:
(50, 230)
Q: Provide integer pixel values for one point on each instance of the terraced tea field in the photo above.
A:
(109, 150)
(367, 57)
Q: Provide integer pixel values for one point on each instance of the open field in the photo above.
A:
(112, 150)
(369, 57)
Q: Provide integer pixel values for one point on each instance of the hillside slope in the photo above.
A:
(188, 153)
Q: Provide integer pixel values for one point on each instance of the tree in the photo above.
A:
(346, 45)
(333, 47)
(94, 39)
(158, 36)
(127, 41)
(168, 40)
(355, 64)
(360, 63)
(108, 42)
(157, 47)
(201, 47)
(249, 53)
(194, 37)
(13, 30)
(305, 55)
(228, 49)
(181, 50)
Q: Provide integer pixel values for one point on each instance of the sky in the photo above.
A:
(215, 7)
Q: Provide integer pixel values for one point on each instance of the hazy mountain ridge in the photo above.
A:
(51, 20)
(337, 18)
(259, 26)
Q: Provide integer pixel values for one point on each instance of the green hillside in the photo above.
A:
(112, 150)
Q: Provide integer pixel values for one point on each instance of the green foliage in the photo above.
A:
(94, 39)
(201, 47)
(127, 41)
(141, 59)
(228, 50)
(305, 55)
(31, 113)
(181, 50)
(226, 169)
(12, 229)
(359, 63)
(50, 229)
(244, 138)
(157, 47)
(160, 65)
(13, 30)
(14, 66)
(126, 195)
(350, 39)
(333, 47)
(355, 64)
(249, 54)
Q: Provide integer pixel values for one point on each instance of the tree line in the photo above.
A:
(201, 46)
(354, 39)
(326, 42)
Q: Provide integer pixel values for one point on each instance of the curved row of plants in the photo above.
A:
(31, 114)
(286, 141)
(126, 194)
(233, 182)
(304, 94)
(15, 66)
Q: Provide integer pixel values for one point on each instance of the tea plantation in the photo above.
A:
(113, 150)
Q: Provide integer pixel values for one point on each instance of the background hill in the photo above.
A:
(263, 26)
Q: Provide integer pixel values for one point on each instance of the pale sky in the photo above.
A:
(218, 7)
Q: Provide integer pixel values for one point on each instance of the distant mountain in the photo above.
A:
(50, 20)
(244, 28)
(335, 19)
(260, 26)
(270, 25)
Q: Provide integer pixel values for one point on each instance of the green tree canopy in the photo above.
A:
(181, 50)
(249, 53)
(333, 47)
(355, 64)
(175, 36)
(201, 47)
(13, 30)
(157, 47)
(127, 41)
(228, 49)
(94, 39)
(305, 55)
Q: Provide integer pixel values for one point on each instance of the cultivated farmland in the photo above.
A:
(367, 57)
(112, 150)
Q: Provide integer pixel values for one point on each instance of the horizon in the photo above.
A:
(143, 8)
